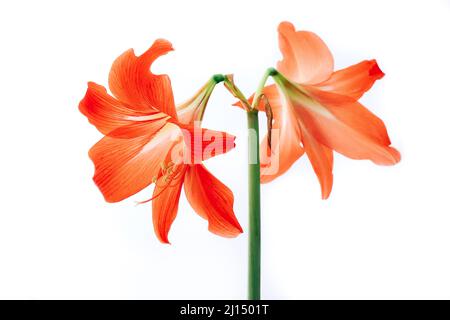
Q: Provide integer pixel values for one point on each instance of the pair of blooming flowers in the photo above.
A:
(148, 139)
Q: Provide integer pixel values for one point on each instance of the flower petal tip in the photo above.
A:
(109, 198)
(391, 157)
(375, 70)
(395, 155)
(238, 226)
(163, 239)
(285, 26)
(163, 43)
(326, 189)
(325, 196)
(233, 234)
(159, 48)
(229, 232)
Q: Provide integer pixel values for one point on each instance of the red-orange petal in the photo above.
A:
(212, 200)
(306, 58)
(132, 82)
(124, 167)
(107, 113)
(353, 81)
(321, 158)
(286, 137)
(205, 143)
(165, 204)
(343, 124)
(140, 128)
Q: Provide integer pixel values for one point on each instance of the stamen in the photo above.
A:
(169, 173)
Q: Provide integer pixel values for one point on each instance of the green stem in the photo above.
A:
(259, 91)
(254, 182)
(254, 208)
(254, 193)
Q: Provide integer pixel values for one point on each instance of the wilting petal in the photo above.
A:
(343, 124)
(286, 137)
(108, 114)
(165, 203)
(204, 143)
(124, 167)
(321, 158)
(212, 200)
(306, 58)
(353, 81)
(132, 82)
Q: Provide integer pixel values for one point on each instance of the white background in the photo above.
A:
(384, 232)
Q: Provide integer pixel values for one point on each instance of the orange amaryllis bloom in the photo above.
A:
(148, 140)
(315, 110)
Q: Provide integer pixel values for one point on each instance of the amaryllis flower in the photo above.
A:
(148, 140)
(315, 110)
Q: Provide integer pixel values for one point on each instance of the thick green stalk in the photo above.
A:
(254, 182)
(254, 193)
(254, 208)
